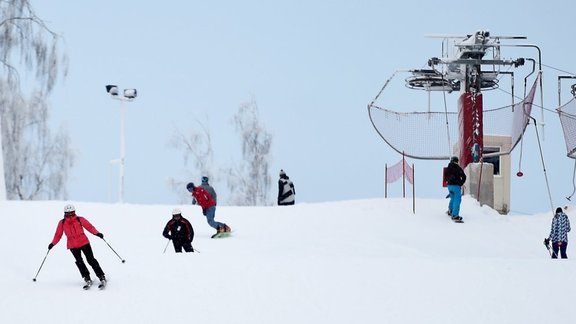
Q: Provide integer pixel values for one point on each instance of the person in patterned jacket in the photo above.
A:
(286, 191)
(73, 226)
(559, 233)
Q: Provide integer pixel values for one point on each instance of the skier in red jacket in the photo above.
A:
(203, 198)
(78, 243)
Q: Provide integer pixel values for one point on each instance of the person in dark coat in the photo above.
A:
(73, 226)
(455, 177)
(559, 234)
(180, 231)
(286, 191)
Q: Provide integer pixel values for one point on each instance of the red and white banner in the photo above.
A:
(398, 170)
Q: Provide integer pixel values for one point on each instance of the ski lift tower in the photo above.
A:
(464, 72)
(471, 70)
(474, 66)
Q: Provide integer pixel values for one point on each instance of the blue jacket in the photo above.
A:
(560, 228)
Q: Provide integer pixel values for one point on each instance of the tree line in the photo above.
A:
(36, 161)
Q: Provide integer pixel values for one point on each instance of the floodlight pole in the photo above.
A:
(131, 95)
(122, 147)
(122, 154)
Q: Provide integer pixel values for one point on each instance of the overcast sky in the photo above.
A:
(311, 66)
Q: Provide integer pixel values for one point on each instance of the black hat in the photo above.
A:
(190, 186)
(454, 159)
(559, 210)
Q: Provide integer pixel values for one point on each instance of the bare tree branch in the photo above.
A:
(249, 182)
(35, 162)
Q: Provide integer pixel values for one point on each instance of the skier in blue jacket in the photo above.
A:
(559, 233)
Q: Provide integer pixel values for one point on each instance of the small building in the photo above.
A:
(489, 182)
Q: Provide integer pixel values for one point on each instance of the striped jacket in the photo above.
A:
(560, 228)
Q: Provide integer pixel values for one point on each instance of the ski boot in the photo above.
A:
(102, 284)
(88, 283)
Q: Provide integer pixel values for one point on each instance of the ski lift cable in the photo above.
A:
(533, 104)
(446, 113)
(519, 173)
(447, 122)
(383, 87)
(557, 69)
(542, 160)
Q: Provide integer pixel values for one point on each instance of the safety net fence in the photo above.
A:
(432, 135)
(567, 114)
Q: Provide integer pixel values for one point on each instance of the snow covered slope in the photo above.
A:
(358, 261)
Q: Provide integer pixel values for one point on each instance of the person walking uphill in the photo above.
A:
(73, 226)
(205, 200)
(455, 177)
(180, 231)
(559, 234)
(286, 191)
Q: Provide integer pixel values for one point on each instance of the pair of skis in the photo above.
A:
(101, 285)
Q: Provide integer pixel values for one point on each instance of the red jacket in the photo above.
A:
(203, 198)
(73, 227)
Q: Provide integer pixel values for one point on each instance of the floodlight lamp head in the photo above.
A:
(112, 89)
(130, 93)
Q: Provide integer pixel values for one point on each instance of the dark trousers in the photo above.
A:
(562, 248)
(87, 250)
(179, 244)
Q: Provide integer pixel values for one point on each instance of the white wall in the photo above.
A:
(501, 181)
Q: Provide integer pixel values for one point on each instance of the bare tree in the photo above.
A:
(27, 148)
(38, 163)
(249, 182)
(197, 146)
(25, 35)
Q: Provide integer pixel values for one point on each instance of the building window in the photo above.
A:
(495, 160)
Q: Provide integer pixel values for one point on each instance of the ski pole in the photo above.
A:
(119, 257)
(34, 279)
(166, 246)
(554, 254)
(548, 248)
(547, 245)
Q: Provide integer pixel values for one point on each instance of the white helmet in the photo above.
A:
(176, 211)
(69, 208)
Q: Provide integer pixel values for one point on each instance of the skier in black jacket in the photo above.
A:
(180, 231)
(455, 177)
